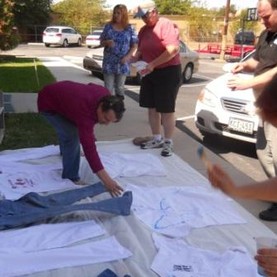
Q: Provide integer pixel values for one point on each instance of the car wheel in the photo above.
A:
(187, 73)
(79, 42)
(97, 74)
(47, 44)
(65, 43)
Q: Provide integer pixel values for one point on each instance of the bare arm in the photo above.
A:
(257, 83)
(246, 66)
(128, 56)
(266, 190)
(110, 184)
(168, 54)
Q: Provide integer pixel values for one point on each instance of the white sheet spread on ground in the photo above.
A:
(48, 236)
(16, 184)
(174, 211)
(177, 258)
(125, 165)
(127, 247)
(100, 251)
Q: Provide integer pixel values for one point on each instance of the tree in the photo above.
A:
(8, 34)
(176, 7)
(32, 16)
(82, 14)
(203, 24)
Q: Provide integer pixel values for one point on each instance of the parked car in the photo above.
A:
(225, 112)
(61, 35)
(189, 60)
(245, 38)
(93, 39)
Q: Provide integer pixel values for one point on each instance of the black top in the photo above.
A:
(266, 52)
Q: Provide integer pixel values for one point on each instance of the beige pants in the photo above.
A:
(266, 148)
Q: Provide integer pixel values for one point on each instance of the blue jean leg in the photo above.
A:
(115, 83)
(69, 144)
(62, 198)
(33, 208)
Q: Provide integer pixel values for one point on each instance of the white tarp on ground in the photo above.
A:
(136, 237)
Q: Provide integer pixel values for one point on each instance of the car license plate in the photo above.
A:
(240, 125)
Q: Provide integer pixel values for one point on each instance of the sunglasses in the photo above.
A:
(147, 15)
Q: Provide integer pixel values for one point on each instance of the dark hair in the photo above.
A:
(273, 3)
(111, 102)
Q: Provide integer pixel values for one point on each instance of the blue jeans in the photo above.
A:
(33, 207)
(69, 144)
(115, 83)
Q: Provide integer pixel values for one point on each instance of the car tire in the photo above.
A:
(79, 43)
(65, 43)
(97, 74)
(187, 73)
(47, 44)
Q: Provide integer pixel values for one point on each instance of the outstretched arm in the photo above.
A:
(266, 190)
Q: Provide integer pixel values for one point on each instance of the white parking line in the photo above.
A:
(186, 117)
(204, 77)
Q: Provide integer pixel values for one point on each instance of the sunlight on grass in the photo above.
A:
(24, 75)
(25, 130)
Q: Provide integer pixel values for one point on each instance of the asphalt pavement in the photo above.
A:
(135, 123)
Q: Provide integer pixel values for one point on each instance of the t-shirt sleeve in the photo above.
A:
(170, 33)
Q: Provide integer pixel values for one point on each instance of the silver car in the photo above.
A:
(225, 112)
(93, 39)
(189, 60)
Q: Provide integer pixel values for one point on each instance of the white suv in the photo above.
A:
(61, 35)
(225, 112)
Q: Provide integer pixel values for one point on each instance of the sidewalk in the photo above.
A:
(135, 123)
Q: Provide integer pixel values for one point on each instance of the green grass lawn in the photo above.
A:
(24, 75)
(24, 130)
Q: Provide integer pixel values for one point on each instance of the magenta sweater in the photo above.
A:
(78, 103)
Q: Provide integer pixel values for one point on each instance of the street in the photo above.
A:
(240, 154)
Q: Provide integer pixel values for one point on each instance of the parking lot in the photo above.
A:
(240, 154)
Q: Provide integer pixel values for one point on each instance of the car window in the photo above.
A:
(249, 55)
(247, 38)
(65, 31)
(52, 30)
(183, 47)
(96, 33)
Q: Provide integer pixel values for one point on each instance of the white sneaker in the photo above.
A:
(167, 149)
(152, 144)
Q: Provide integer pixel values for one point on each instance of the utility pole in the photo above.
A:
(225, 30)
